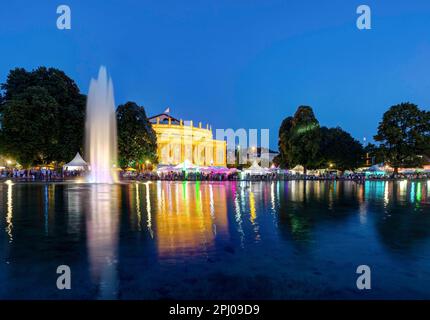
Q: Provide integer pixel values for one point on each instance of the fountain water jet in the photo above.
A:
(100, 130)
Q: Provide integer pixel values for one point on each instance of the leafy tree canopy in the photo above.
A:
(283, 143)
(404, 135)
(303, 142)
(65, 110)
(30, 136)
(304, 139)
(137, 141)
(340, 149)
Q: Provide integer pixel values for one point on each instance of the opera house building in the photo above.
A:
(179, 141)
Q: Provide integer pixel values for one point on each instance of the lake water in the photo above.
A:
(215, 240)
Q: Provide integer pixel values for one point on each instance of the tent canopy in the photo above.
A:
(165, 168)
(76, 164)
(215, 169)
(376, 168)
(186, 165)
(298, 169)
(256, 169)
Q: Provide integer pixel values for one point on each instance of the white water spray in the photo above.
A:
(100, 130)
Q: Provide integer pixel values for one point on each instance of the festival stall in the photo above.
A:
(297, 170)
(215, 170)
(77, 164)
(186, 166)
(255, 169)
(165, 169)
(376, 170)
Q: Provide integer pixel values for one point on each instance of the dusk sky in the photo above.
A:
(234, 64)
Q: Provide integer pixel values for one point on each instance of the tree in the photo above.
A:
(29, 132)
(284, 143)
(404, 135)
(2, 147)
(137, 141)
(339, 149)
(18, 80)
(66, 112)
(304, 139)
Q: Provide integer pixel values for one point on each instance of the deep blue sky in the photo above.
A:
(234, 63)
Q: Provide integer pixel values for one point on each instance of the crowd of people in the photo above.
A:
(203, 176)
(42, 174)
(181, 176)
(46, 174)
(400, 176)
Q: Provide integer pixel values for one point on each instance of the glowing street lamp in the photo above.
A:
(147, 164)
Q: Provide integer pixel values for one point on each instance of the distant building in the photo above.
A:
(179, 140)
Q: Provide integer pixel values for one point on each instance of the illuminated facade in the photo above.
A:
(178, 141)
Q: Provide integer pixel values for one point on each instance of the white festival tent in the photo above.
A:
(255, 169)
(165, 168)
(186, 165)
(298, 170)
(76, 164)
(376, 168)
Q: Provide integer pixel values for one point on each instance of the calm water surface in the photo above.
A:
(226, 240)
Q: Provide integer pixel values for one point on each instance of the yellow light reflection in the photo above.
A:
(148, 211)
(403, 187)
(9, 213)
(253, 214)
(212, 207)
(46, 209)
(187, 228)
(138, 211)
(386, 194)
